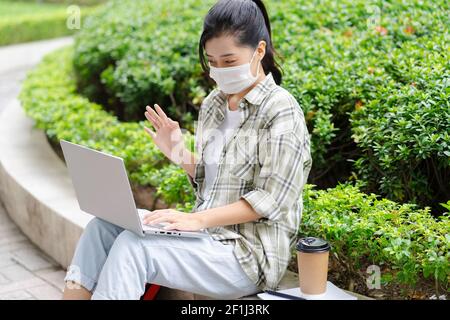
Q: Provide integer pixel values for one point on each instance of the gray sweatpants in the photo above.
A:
(114, 263)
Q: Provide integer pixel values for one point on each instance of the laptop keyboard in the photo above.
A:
(158, 225)
(142, 213)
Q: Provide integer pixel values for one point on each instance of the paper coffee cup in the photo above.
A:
(312, 258)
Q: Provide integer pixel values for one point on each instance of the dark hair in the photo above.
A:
(249, 22)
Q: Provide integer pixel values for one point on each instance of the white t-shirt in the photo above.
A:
(214, 148)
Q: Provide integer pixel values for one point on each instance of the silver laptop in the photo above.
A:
(103, 190)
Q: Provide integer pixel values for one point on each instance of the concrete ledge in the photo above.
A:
(35, 187)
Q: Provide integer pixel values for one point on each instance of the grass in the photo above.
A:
(31, 21)
(19, 10)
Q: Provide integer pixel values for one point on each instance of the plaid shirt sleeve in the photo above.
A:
(282, 148)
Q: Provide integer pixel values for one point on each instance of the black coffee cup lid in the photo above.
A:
(312, 245)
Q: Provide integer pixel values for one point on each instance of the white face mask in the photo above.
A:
(233, 80)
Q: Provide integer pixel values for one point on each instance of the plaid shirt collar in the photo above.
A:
(216, 111)
(253, 98)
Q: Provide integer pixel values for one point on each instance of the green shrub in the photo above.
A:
(171, 182)
(407, 243)
(347, 63)
(49, 96)
(342, 69)
(143, 62)
(405, 132)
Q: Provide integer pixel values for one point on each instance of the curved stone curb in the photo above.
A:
(35, 187)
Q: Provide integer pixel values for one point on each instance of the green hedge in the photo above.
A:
(49, 96)
(22, 22)
(407, 243)
(142, 61)
(355, 67)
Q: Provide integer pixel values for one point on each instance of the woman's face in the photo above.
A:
(223, 52)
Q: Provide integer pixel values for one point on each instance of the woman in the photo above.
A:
(254, 159)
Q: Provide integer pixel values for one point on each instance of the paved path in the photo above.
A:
(16, 60)
(25, 271)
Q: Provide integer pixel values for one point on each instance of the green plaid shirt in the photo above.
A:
(266, 162)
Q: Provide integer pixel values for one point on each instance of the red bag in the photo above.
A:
(151, 290)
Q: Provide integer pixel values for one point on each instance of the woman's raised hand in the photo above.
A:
(168, 134)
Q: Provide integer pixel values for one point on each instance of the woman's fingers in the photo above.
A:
(166, 218)
(155, 117)
(162, 114)
(160, 211)
(151, 216)
(151, 120)
(150, 132)
(158, 118)
(155, 214)
(172, 226)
